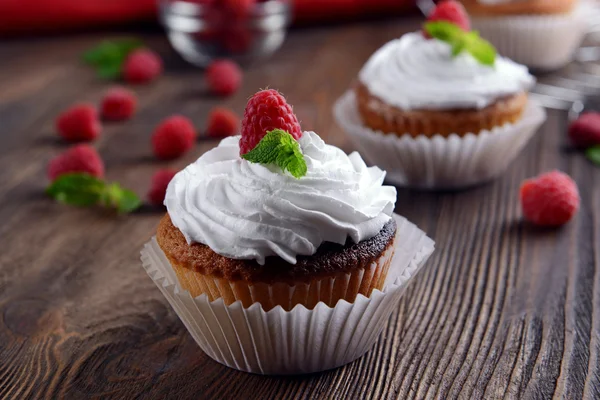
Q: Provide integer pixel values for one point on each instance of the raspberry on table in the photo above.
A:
(79, 123)
(79, 158)
(223, 77)
(158, 186)
(142, 66)
(550, 199)
(173, 137)
(267, 110)
(585, 130)
(451, 11)
(118, 104)
(222, 122)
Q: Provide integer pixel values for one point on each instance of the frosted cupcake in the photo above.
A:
(278, 224)
(441, 112)
(542, 34)
(413, 85)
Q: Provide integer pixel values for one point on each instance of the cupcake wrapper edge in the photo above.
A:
(296, 341)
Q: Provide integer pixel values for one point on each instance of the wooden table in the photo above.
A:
(502, 310)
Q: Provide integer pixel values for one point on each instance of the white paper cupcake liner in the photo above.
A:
(543, 42)
(439, 162)
(299, 341)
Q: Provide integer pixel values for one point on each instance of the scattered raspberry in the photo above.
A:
(223, 77)
(550, 199)
(79, 158)
(142, 66)
(173, 137)
(79, 123)
(451, 11)
(222, 122)
(265, 111)
(158, 187)
(118, 104)
(238, 8)
(585, 131)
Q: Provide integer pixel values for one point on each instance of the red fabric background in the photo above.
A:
(38, 16)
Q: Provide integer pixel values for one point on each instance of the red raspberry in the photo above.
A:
(118, 104)
(223, 77)
(173, 137)
(142, 66)
(550, 199)
(238, 8)
(79, 158)
(451, 11)
(222, 122)
(265, 111)
(158, 187)
(79, 123)
(585, 131)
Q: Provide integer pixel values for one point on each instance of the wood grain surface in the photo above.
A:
(502, 311)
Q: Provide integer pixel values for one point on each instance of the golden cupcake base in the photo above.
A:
(379, 116)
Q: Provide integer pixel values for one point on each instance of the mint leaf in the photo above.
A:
(480, 49)
(444, 31)
(280, 148)
(123, 200)
(109, 71)
(593, 154)
(83, 190)
(128, 202)
(76, 189)
(460, 41)
(108, 56)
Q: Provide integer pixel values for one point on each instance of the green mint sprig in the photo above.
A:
(108, 56)
(280, 148)
(593, 154)
(84, 190)
(460, 40)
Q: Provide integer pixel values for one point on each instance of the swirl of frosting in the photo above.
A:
(418, 73)
(244, 210)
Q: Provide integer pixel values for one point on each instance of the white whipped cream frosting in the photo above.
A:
(416, 73)
(244, 210)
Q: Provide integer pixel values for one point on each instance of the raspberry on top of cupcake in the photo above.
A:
(278, 205)
(443, 80)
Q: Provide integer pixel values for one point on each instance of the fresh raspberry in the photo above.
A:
(222, 122)
(79, 158)
(173, 137)
(118, 104)
(451, 11)
(236, 40)
(550, 199)
(158, 187)
(265, 111)
(585, 131)
(79, 123)
(223, 77)
(238, 8)
(142, 66)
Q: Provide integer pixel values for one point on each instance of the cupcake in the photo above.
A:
(442, 111)
(277, 224)
(542, 34)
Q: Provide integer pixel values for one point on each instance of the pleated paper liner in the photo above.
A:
(451, 162)
(544, 42)
(328, 290)
(301, 340)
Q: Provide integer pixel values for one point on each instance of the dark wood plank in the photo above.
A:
(503, 310)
